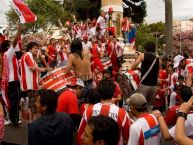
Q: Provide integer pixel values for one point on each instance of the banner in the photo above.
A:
(132, 34)
(24, 13)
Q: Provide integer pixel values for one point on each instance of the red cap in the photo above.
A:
(85, 37)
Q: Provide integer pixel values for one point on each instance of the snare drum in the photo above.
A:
(56, 80)
(106, 61)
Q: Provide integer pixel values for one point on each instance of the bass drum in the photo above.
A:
(57, 79)
(128, 81)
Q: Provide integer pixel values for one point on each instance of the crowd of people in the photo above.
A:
(91, 109)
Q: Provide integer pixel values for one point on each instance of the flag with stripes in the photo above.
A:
(24, 13)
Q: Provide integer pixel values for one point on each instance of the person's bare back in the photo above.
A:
(81, 67)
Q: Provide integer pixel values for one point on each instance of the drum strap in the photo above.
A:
(150, 68)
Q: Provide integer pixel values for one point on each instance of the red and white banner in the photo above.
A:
(24, 13)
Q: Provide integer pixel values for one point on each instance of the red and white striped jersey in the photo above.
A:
(13, 67)
(29, 78)
(145, 131)
(111, 110)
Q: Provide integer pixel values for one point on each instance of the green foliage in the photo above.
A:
(153, 32)
(85, 9)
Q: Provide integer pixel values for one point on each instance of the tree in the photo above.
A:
(153, 32)
(169, 27)
(84, 9)
(48, 13)
(136, 10)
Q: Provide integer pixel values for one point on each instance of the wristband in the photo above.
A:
(158, 115)
(182, 114)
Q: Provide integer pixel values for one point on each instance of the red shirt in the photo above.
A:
(160, 98)
(163, 76)
(68, 103)
(117, 90)
(171, 115)
(51, 50)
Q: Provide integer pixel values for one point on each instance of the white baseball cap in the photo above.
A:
(177, 60)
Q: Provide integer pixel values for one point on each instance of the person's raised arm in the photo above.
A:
(163, 126)
(189, 79)
(15, 40)
(138, 61)
(180, 135)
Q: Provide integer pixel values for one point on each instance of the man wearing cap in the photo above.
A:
(86, 44)
(186, 65)
(68, 100)
(145, 131)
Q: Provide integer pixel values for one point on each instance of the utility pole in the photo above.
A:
(169, 27)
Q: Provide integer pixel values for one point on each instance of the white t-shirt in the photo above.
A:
(103, 21)
(172, 99)
(145, 131)
(188, 127)
(87, 45)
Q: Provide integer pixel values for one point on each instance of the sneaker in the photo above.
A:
(19, 122)
(7, 122)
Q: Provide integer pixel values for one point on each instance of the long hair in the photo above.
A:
(76, 47)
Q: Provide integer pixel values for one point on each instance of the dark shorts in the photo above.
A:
(32, 99)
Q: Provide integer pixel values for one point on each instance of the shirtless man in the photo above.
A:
(79, 61)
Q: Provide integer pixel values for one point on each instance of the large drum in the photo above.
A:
(57, 79)
(135, 77)
(106, 61)
(128, 81)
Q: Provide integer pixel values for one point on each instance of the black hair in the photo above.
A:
(5, 45)
(104, 128)
(93, 96)
(171, 65)
(186, 55)
(164, 65)
(51, 39)
(186, 93)
(109, 71)
(48, 98)
(150, 47)
(76, 47)
(180, 77)
(30, 45)
(106, 89)
(143, 109)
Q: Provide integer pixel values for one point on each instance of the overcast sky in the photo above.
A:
(155, 10)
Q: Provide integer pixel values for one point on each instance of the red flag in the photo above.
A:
(24, 13)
